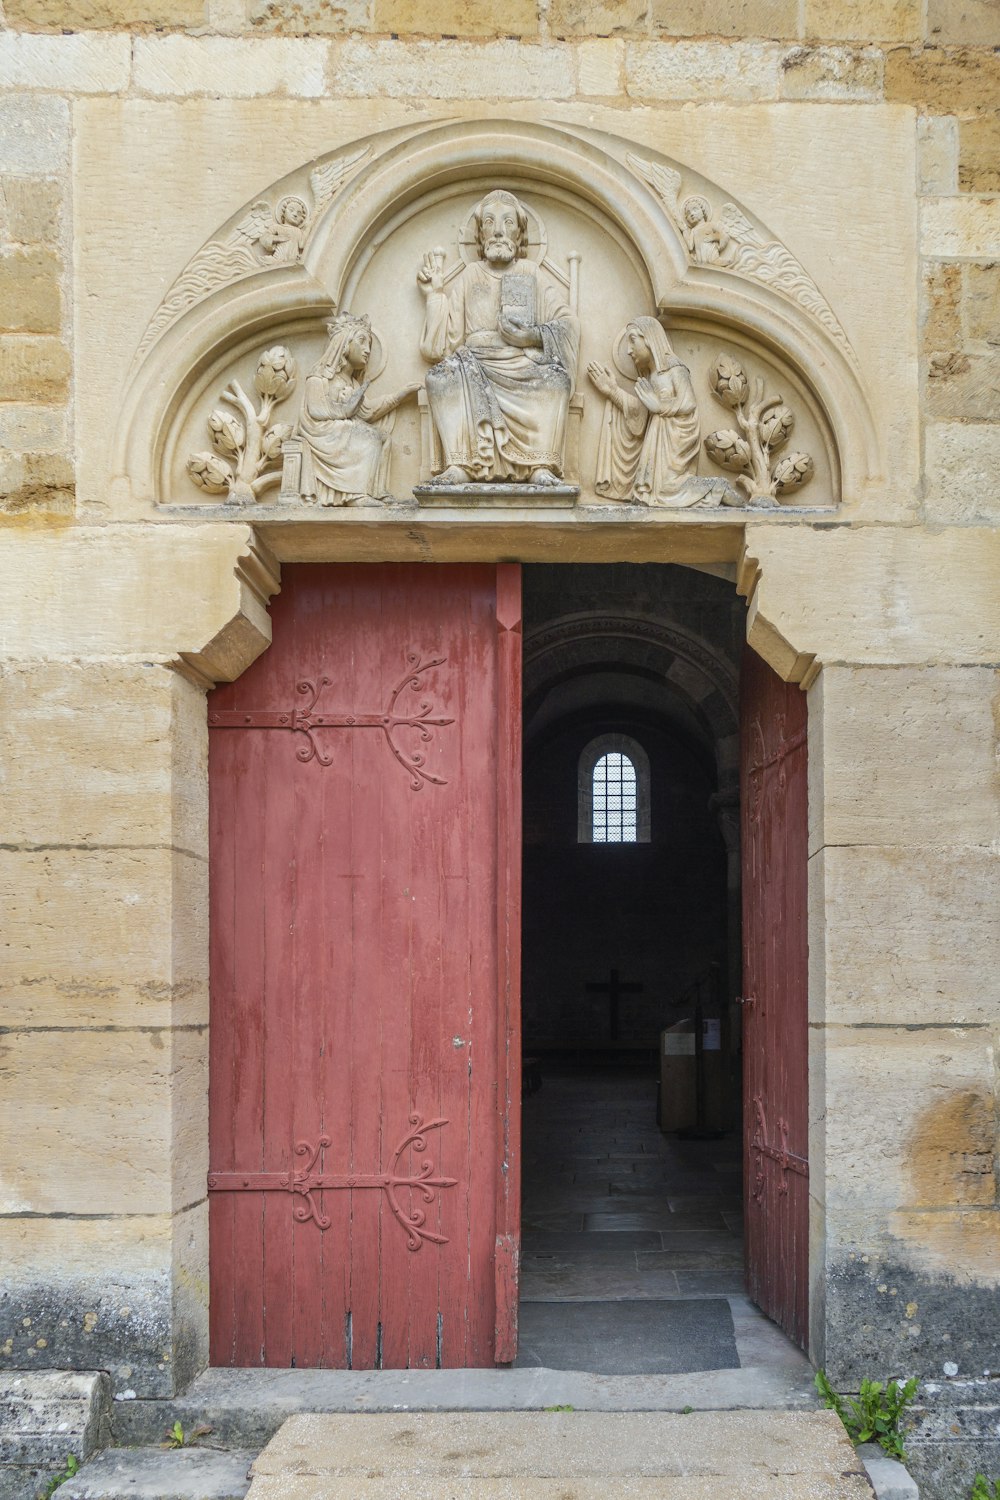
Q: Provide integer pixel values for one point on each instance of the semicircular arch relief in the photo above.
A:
(627, 238)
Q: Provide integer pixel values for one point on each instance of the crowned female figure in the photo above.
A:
(650, 436)
(345, 440)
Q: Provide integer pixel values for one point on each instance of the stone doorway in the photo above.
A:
(632, 1246)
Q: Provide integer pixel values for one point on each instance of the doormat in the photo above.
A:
(670, 1337)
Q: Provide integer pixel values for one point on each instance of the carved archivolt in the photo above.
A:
(554, 322)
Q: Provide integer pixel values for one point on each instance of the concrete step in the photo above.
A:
(753, 1455)
(158, 1474)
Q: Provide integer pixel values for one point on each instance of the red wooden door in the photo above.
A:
(364, 1088)
(773, 796)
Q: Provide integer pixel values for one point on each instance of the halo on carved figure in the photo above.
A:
(535, 246)
(623, 361)
(284, 204)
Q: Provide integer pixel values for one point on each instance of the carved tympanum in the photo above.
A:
(247, 456)
(765, 424)
(502, 344)
(342, 442)
(651, 435)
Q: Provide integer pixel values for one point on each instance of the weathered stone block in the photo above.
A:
(235, 67)
(942, 913)
(907, 757)
(963, 387)
(943, 81)
(123, 941)
(34, 132)
(33, 368)
(81, 64)
(608, 18)
(30, 299)
(976, 22)
(979, 154)
(63, 726)
(886, 1313)
(877, 21)
(108, 1293)
(45, 1414)
(962, 460)
(960, 227)
(982, 302)
(32, 428)
(832, 73)
(942, 307)
(938, 600)
(937, 154)
(452, 70)
(30, 209)
(702, 70)
(46, 482)
(600, 67)
(455, 17)
(731, 18)
(92, 1121)
(104, 15)
(296, 17)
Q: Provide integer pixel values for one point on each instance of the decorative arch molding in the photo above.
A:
(688, 665)
(222, 304)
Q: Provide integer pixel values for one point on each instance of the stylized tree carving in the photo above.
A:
(764, 425)
(247, 457)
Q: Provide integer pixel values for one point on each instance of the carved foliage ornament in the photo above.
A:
(247, 456)
(765, 424)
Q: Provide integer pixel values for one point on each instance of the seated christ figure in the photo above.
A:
(506, 347)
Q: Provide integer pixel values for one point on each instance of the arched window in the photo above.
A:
(613, 792)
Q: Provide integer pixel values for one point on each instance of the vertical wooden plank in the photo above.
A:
(775, 946)
(508, 860)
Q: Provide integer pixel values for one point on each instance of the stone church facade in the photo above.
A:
(220, 216)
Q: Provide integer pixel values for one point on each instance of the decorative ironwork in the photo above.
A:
(787, 1160)
(306, 1181)
(307, 720)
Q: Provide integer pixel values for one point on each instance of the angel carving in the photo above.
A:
(727, 238)
(277, 235)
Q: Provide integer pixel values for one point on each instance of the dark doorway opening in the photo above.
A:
(631, 1233)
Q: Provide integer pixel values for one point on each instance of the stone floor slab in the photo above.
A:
(153, 1474)
(627, 1338)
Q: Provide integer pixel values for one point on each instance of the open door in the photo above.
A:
(365, 1057)
(773, 795)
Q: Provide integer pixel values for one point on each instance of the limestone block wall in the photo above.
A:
(114, 621)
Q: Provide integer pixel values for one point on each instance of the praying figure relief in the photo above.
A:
(503, 348)
(650, 435)
(346, 440)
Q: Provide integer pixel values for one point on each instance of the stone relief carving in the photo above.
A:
(340, 451)
(764, 425)
(651, 435)
(502, 343)
(269, 235)
(247, 457)
(728, 239)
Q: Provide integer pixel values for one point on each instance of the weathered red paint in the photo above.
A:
(773, 796)
(364, 1088)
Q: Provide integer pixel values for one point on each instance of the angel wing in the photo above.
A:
(328, 178)
(250, 228)
(738, 226)
(665, 182)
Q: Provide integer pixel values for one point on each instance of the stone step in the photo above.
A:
(159, 1474)
(46, 1416)
(756, 1455)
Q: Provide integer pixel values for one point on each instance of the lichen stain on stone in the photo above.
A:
(952, 1152)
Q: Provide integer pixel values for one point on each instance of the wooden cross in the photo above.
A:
(615, 989)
